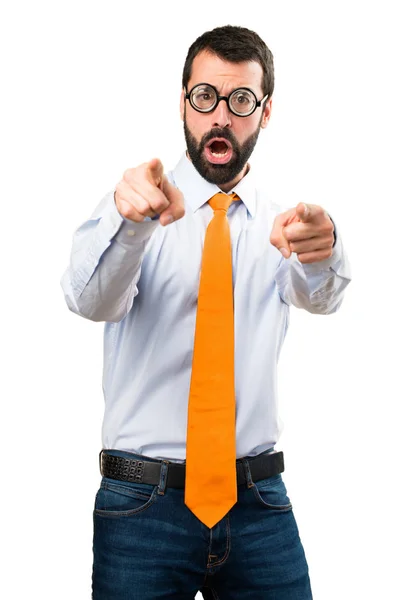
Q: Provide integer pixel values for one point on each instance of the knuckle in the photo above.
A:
(275, 240)
(152, 210)
(158, 205)
(127, 210)
(119, 189)
(144, 208)
(287, 232)
(129, 175)
(124, 207)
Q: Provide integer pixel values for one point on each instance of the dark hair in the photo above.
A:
(234, 44)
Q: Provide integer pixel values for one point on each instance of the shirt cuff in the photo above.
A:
(334, 231)
(132, 233)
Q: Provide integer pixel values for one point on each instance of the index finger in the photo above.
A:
(308, 213)
(154, 171)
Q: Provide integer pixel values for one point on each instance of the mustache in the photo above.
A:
(217, 132)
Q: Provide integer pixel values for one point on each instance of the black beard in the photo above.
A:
(219, 174)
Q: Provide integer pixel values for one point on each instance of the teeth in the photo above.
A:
(219, 155)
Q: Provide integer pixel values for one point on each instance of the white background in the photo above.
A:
(92, 88)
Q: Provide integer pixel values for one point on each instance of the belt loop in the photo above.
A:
(248, 475)
(100, 461)
(163, 477)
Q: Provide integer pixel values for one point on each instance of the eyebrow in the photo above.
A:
(238, 87)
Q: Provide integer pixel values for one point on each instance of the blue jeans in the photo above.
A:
(149, 546)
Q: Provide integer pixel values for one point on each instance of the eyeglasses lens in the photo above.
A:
(204, 98)
(243, 102)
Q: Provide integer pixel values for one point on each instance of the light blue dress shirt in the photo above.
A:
(142, 280)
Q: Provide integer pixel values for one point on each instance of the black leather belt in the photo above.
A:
(139, 470)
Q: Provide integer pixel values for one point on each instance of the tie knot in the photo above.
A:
(222, 201)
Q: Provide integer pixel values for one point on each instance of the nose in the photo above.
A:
(221, 116)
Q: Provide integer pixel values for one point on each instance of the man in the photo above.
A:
(194, 274)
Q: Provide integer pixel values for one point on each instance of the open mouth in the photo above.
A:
(218, 151)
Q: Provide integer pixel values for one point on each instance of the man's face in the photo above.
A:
(220, 143)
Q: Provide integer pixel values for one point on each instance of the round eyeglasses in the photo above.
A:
(242, 102)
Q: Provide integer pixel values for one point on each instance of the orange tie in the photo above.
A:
(210, 488)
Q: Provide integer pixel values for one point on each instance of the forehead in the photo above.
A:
(224, 75)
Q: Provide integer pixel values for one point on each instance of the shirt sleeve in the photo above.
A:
(317, 287)
(100, 282)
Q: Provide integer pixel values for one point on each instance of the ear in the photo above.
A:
(182, 101)
(266, 114)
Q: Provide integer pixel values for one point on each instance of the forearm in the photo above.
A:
(107, 252)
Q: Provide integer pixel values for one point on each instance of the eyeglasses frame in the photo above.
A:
(226, 98)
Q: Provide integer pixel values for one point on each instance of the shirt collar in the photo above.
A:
(198, 191)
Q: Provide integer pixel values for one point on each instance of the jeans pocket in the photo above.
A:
(272, 493)
(119, 499)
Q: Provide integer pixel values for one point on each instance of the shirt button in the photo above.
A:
(130, 232)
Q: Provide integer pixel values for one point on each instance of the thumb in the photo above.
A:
(175, 210)
(155, 171)
(172, 193)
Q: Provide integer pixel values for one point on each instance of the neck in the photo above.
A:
(226, 187)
